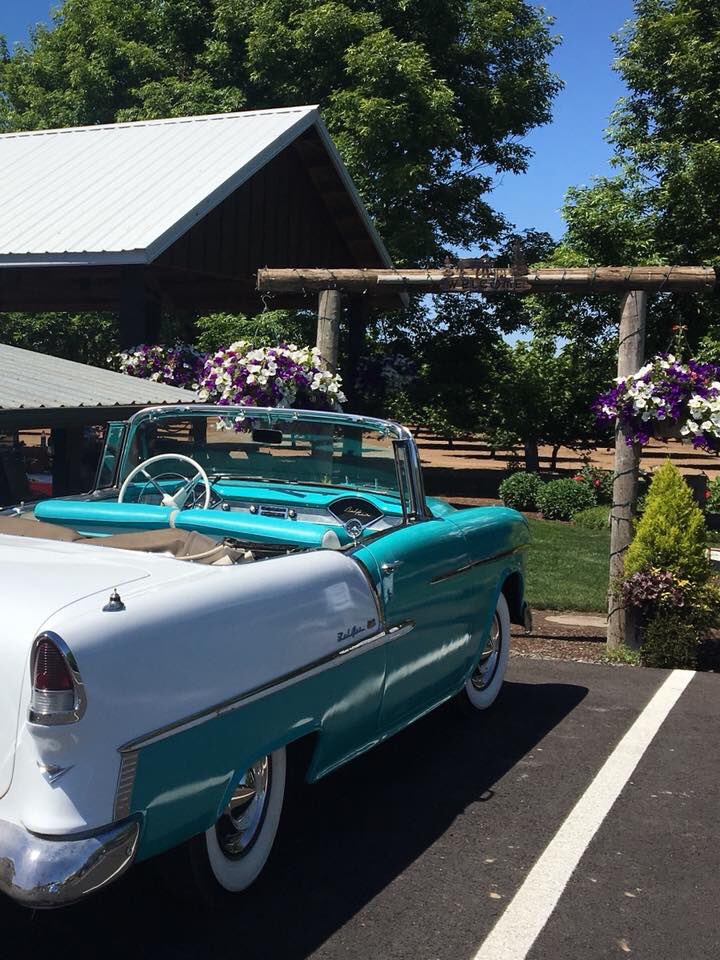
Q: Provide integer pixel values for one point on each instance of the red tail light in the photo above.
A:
(57, 691)
(51, 672)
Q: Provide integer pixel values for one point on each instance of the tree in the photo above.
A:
(662, 205)
(543, 396)
(426, 101)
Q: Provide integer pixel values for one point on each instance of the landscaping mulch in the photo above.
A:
(558, 641)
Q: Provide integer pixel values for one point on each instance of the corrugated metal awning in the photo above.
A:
(33, 381)
(123, 192)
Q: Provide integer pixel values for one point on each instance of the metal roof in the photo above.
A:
(31, 381)
(123, 192)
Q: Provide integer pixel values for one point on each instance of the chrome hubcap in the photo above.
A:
(485, 670)
(239, 826)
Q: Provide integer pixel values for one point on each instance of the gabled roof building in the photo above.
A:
(173, 214)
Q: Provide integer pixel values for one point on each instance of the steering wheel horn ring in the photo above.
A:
(177, 501)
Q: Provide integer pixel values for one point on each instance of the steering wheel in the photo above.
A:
(177, 500)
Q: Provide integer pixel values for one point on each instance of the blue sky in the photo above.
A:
(568, 151)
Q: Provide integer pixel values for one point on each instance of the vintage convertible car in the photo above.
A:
(240, 583)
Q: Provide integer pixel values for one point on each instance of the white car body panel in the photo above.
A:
(187, 640)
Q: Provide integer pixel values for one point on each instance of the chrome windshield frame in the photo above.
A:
(390, 428)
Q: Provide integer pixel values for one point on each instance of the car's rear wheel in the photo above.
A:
(482, 688)
(231, 855)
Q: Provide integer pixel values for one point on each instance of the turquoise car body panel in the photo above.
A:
(441, 576)
(185, 781)
(452, 571)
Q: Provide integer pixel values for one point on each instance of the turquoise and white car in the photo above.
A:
(241, 583)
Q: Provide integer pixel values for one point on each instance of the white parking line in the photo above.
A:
(527, 913)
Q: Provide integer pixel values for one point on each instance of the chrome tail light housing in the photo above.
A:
(57, 692)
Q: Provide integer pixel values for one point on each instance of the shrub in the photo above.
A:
(594, 518)
(671, 533)
(670, 641)
(600, 480)
(520, 490)
(562, 499)
(712, 500)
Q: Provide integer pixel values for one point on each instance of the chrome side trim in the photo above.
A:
(440, 578)
(233, 703)
(78, 711)
(125, 784)
(42, 872)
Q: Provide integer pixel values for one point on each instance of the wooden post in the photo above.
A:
(139, 320)
(631, 352)
(328, 328)
(358, 317)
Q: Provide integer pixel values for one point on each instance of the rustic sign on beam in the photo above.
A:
(488, 279)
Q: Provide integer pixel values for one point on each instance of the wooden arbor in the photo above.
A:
(481, 277)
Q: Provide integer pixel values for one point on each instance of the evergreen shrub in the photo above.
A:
(671, 533)
(520, 490)
(563, 499)
(594, 518)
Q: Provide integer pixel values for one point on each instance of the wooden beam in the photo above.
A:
(484, 279)
(631, 352)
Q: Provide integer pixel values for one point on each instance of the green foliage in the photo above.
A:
(563, 499)
(712, 504)
(671, 533)
(593, 518)
(274, 326)
(670, 641)
(662, 205)
(456, 378)
(543, 394)
(622, 655)
(520, 490)
(600, 480)
(419, 97)
(87, 338)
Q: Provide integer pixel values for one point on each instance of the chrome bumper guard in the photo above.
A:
(42, 872)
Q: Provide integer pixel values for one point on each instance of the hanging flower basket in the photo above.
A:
(666, 399)
(279, 376)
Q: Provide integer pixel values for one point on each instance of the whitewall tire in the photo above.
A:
(482, 688)
(231, 855)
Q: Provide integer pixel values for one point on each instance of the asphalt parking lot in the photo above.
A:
(424, 847)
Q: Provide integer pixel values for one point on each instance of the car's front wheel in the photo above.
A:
(483, 686)
(232, 853)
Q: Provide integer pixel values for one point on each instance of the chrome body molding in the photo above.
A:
(42, 872)
(125, 784)
(478, 563)
(234, 703)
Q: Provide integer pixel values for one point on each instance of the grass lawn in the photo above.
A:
(567, 567)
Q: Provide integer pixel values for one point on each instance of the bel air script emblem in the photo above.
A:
(353, 631)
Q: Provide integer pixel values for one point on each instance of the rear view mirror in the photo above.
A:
(272, 437)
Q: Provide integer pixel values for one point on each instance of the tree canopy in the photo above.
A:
(662, 204)
(427, 101)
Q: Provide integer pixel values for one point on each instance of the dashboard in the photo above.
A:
(353, 512)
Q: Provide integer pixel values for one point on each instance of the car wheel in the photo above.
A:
(483, 686)
(232, 853)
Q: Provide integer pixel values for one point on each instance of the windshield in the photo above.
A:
(280, 446)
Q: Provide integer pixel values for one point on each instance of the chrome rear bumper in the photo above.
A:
(43, 872)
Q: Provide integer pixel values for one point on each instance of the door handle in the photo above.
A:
(390, 566)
